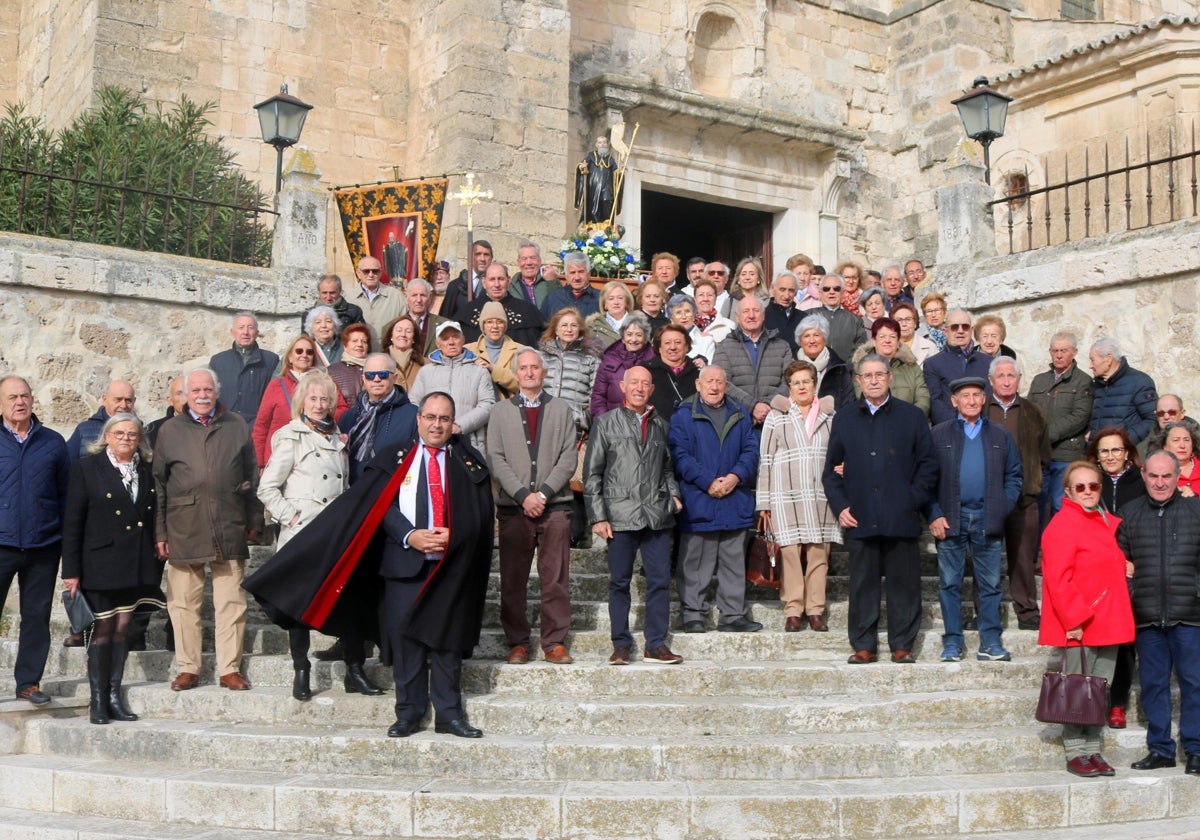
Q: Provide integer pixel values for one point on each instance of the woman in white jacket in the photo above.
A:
(308, 470)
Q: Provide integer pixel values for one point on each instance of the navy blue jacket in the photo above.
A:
(86, 433)
(242, 387)
(1127, 399)
(1001, 475)
(33, 488)
(703, 453)
(943, 368)
(890, 469)
(395, 423)
(784, 322)
(562, 297)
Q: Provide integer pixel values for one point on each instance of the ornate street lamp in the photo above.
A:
(983, 112)
(281, 119)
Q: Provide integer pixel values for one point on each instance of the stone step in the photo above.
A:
(629, 714)
(142, 799)
(818, 757)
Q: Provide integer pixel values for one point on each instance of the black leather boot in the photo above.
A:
(356, 681)
(116, 708)
(301, 689)
(98, 676)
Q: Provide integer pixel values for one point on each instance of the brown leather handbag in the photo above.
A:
(1079, 699)
(763, 566)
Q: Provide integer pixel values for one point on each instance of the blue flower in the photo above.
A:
(629, 258)
(578, 243)
(599, 240)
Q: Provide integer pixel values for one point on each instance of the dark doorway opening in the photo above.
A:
(688, 227)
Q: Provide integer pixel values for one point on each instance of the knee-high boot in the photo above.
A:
(116, 708)
(98, 677)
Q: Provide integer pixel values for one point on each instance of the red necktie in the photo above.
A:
(205, 419)
(437, 494)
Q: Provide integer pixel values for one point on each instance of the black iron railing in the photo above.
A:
(54, 198)
(1129, 196)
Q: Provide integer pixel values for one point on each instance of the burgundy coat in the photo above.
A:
(1083, 579)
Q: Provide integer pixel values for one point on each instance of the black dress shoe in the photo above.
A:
(1193, 765)
(1154, 761)
(694, 627)
(333, 653)
(458, 727)
(402, 729)
(740, 625)
(356, 682)
(1034, 623)
(301, 687)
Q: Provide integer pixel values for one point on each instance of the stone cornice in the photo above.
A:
(615, 92)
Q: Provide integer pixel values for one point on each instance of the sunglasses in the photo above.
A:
(831, 288)
(957, 327)
(300, 351)
(376, 374)
(1090, 487)
(1169, 413)
(371, 270)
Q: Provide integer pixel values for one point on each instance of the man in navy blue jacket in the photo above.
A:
(979, 483)
(33, 494)
(245, 369)
(961, 357)
(880, 471)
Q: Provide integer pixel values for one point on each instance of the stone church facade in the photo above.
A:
(772, 125)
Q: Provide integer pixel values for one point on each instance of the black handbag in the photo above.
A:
(1079, 699)
(79, 612)
(763, 567)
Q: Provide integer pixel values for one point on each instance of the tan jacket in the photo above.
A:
(205, 477)
(307, 471)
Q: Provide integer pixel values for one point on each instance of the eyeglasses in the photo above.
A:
(300, 351)
(831, 288)
(437, 418)
(371, 270)
(126, 435)
(718, 273)
(958, 327)
(934, 309)
(376, 374)
(1167, 413)
(873, 376)
(1109, 453)
(1090, 487)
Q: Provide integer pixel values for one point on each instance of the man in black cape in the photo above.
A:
(434, 566)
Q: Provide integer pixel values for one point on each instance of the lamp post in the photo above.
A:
(983, 112)
(281, 119)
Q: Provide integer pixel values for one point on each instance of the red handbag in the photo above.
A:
(763, 567)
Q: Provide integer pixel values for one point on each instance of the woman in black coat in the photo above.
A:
(1114, 451)
(108, 552)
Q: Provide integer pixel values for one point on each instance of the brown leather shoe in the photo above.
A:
(559, 655)
(620, 656)
(235, 682)
(903, 657)
(794, 624)
(817, 622)
(518, 655)
(862, 657)
(185, 681)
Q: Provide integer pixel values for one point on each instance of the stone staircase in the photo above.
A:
(766, 735)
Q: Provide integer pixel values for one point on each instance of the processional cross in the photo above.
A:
(468, 195)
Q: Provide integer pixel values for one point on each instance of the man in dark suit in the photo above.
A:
(435, 565)
(889, 472)
(525, 322)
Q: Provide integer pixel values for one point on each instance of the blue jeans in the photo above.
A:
(1159, 651)
(952, 558)
(36, 570)
(656, 562)
(1052, 489)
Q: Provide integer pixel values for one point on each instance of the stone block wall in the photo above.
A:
(1141, 288)
(78, 315)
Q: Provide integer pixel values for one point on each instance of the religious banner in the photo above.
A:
(398, 223)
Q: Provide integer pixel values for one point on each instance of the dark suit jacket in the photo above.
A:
(108, 539)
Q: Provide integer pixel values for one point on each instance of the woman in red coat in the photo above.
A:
(1085, 598)
(275, 411)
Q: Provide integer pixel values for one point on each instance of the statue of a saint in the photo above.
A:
(594, 193)
(395, 259)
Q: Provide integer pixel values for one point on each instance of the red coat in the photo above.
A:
(1083, 579)
(275, 412)
(1192, 481)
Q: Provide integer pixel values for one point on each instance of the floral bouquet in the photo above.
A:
(608, 255)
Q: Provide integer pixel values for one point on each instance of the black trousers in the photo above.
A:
(418, 671)
(899, 561)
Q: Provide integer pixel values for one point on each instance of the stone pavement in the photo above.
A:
(766, 735)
